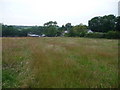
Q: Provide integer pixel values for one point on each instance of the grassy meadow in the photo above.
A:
(59, 62)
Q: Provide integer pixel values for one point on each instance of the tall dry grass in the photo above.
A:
(59, 62)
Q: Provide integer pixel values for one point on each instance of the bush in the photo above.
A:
(113, 35)
(109, 35)
(95, 35)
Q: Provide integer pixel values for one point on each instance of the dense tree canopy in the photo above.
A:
(9, 31)
(50, 23)
(107, 26)
(78, 30)
(51, 29)
(102, 24)
(118, 23)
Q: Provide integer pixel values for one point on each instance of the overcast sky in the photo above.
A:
(38, 12)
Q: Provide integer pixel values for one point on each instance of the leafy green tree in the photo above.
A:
(9, 31)
(37, 30)
(23, 32)
(61, 30)
(102, 24)
(108, 23)
(51, 29)
(78, 30)
(68, 26)
(118, 24)
(95, 24)
(51, 23)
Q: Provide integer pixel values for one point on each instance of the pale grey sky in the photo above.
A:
(38, 12)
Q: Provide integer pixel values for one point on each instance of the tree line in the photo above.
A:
(107, 26)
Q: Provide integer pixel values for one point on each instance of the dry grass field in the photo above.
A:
(59, 62)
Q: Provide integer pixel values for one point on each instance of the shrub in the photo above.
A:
(95, 35)
(113, 35)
